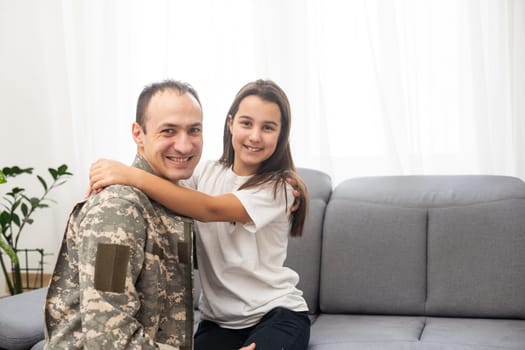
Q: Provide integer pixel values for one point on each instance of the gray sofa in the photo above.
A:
(410, 262)
(414, 262)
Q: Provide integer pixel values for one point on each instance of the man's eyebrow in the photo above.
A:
(169, 125)
(173, 125)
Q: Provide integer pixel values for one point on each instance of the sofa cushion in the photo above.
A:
(22, 320)
(354, 332)
(373, 258)
(444, 333)
(431, 191)
(364, 332)
(476, 267)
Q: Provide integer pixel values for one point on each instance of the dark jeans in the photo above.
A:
(279, 329)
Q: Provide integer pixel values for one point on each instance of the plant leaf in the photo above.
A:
(53, 173)
(24, 209)
(15, 191)
(14, 171)
(34, 202)
(2, 178)
(4, 218)
(42, 181)
(15, 219)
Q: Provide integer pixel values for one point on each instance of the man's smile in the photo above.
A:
(179, 159)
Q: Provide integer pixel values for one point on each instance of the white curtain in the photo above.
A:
(377, 87)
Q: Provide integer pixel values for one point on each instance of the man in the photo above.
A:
(123, 279)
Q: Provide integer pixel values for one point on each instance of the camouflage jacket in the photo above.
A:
(123, 279)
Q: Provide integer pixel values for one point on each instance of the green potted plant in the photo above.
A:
(17, 207)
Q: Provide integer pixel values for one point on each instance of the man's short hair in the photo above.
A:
(150, 90)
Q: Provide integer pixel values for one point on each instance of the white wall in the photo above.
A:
(29, 116)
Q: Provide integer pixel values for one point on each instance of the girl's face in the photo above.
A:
(255, 130)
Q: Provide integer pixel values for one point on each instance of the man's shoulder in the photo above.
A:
(124, 198)
(119, 195)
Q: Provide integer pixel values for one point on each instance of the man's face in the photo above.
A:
(172, 140)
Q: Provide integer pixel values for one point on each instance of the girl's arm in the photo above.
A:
(182, 200)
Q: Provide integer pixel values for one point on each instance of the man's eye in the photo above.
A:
(195, 131)
(168, 131)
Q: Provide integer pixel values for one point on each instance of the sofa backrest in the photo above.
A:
(425, 245)
(304, 253)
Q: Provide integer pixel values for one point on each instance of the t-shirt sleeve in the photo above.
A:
(263, 206)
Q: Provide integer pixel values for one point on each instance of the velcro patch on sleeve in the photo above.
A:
(183, 252)
(111, 267)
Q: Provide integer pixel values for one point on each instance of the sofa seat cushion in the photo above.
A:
(22, 320)
(476, 333)
(359, 331)
(370, 332)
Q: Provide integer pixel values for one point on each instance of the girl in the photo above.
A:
(242, 205)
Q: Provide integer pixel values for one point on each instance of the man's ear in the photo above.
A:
(138, 133)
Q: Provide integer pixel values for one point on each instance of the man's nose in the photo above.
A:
(183, 144)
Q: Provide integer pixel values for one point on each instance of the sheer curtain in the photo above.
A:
(404, 87)
(376, 87)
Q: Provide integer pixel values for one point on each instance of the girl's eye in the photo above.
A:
(245, 123)
(270, 127)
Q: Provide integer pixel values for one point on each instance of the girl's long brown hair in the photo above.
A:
(280, 164)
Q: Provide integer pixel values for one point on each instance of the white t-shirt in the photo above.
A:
(241, 265)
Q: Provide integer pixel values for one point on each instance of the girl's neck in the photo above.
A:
(243, 171)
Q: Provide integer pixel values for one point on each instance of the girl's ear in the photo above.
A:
(230, 122)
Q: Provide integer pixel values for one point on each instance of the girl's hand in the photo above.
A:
(105, 172)
(299, 190)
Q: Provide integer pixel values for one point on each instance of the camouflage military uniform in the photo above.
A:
(123, 279)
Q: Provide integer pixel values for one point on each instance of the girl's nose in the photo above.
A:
(255, 135)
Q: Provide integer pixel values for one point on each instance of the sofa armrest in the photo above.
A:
(22, 320)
